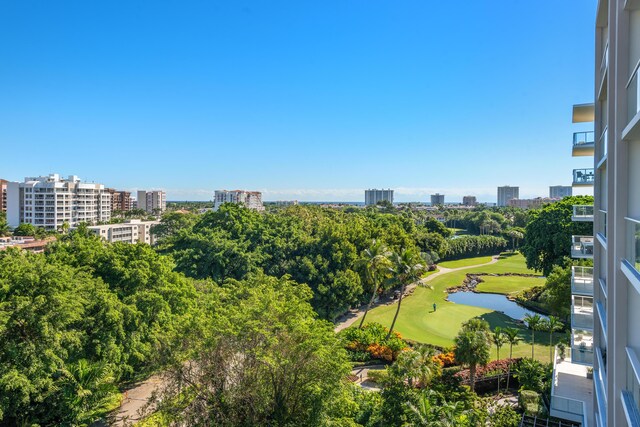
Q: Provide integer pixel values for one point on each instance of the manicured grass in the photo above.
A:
(417, 320)
(466, 262)
(507, 284)
(429, 273)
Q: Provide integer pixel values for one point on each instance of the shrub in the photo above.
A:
(528, 401)
(445, 360)
(533, 375)
(372, 339)
(378, 376)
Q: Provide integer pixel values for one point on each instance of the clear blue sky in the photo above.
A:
(302, 100)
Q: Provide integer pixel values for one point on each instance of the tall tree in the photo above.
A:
(548, 234)
(499, 339)
(375, 265)
(472, 346)
(513, 338)
(407, 268)
(533, 322)
(551, 325)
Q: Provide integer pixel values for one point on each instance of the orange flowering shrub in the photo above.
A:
(445, 359)
(381, 352)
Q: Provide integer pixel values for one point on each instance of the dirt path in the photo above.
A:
(351, 317)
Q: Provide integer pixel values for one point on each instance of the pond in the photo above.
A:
(495, 302)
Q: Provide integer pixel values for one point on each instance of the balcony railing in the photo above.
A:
(583, 177)
(583, 138)
(564, 407)
(582, 246)
(582, 280)
(582, 312)
(582, 356)
(633, 243)
(582, 213)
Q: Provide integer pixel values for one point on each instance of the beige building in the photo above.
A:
(249, 199)
(536, 203)
(132, 231)
(469, 201)
(120, 200)
(50, 201)
(153, 202)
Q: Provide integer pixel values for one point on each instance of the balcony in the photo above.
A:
(582, 346)
(632, 130)
(583, 177)
(583, 113)
(584, 144)
(582, 213)
(571, 396)
(581, 312)
(582, 247)
(582, 280)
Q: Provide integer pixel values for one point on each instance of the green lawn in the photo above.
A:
(429, 273)
(417, 320)
(465, 262)
(507, 284)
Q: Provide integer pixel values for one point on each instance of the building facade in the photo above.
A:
(507, 193)
(120, 200)
(560, 191)
(132, 231)
(536, 203)
(469, 201)
(373, 196)
(437, 199)
(51, 201)
(3, 195)
(248, 199)
(152, 202)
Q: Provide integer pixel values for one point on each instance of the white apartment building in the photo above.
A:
(507, 193)
(132, 231)
(50, 201)
(249, 199)
(560, 191)
(152, 202)
(373, 196)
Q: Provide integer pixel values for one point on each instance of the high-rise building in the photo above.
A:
(469, 201)
(120, 200)
(507, 193)
(249, 199)
(437, 199)
(373, 196)
(50, 201)
(153, 202)
(3, 195)
(560, 191)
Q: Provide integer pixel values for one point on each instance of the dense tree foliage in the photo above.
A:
(548, 234)
(469, 246)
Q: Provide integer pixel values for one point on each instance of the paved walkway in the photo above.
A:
(350, 318)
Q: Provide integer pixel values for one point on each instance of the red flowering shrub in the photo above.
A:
(492, 368)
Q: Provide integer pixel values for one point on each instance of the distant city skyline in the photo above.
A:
(308, 101)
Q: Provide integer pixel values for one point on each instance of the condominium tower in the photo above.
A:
(560, 191)
(50, 201)
(3, 195)
(373, 196)
(469, 201)
(437, 199)
(248, 199)
(120, 200)
(153, 202)
(507, 193)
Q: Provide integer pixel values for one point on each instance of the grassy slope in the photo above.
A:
(508, 284)
(418, 322)
(465, 262)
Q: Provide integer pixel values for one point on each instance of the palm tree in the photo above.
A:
(499, 339)
(407, 268)
(472, 346)
(534, 323)
(512, 339)
(552, 325)
(374, 263)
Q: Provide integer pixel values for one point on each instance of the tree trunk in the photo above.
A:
(397, 312)
(472, 376)
(550, 346)
(533, 341)
(373, 297)
(509, 370)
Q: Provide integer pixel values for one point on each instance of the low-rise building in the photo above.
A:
(536, 203)
(249, 199)
(132, 231)
(26, 243)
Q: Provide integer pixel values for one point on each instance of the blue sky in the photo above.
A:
(301, 100)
